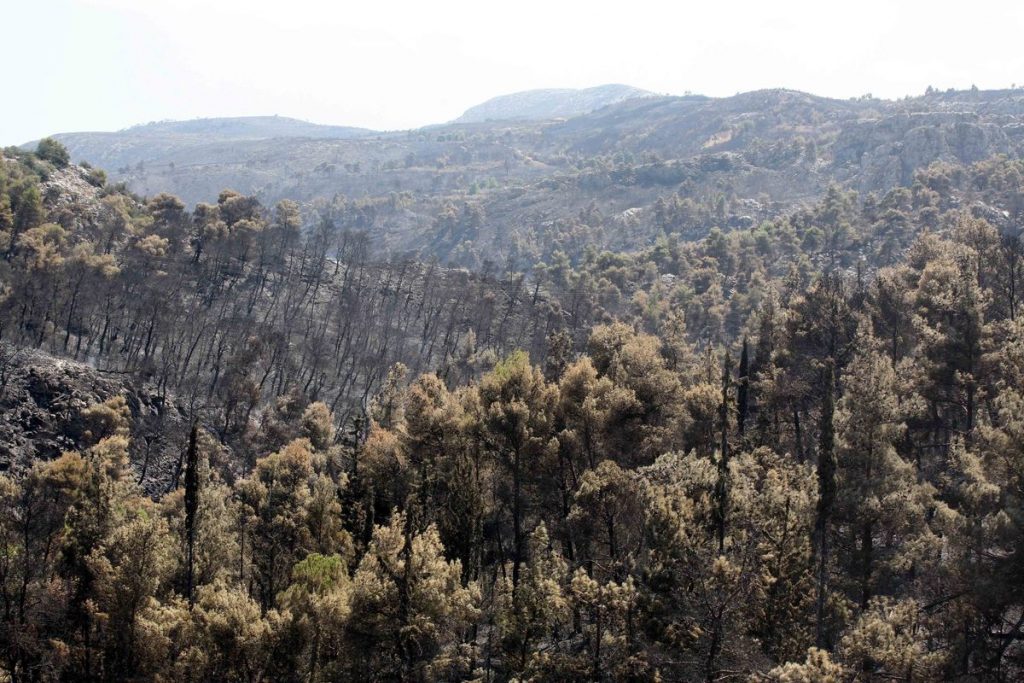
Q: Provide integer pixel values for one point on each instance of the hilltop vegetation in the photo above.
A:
(785, 447)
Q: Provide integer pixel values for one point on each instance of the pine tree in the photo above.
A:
(721, 493)
(191, 509)
(516, 406)
(410, 609)
(743, 391)
(878, 495)
(826, 503)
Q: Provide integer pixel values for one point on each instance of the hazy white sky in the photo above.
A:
(73, 65)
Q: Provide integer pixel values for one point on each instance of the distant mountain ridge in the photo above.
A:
(553, 103)
(246, 128)
(611, 178)
(189, 141)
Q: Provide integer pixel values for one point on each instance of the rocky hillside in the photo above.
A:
(42, 399)
(469, 192)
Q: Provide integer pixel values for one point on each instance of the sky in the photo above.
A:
(75, 65)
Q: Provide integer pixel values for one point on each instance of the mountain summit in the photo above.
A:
(532, 105)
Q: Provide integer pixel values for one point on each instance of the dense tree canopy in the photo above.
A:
(793, 452)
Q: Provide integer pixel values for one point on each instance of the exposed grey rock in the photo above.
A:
(886, 152)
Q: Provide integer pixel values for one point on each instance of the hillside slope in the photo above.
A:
(527, 183)
(187, 141)
(41, 402)
(380, 447)
(551, 103)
